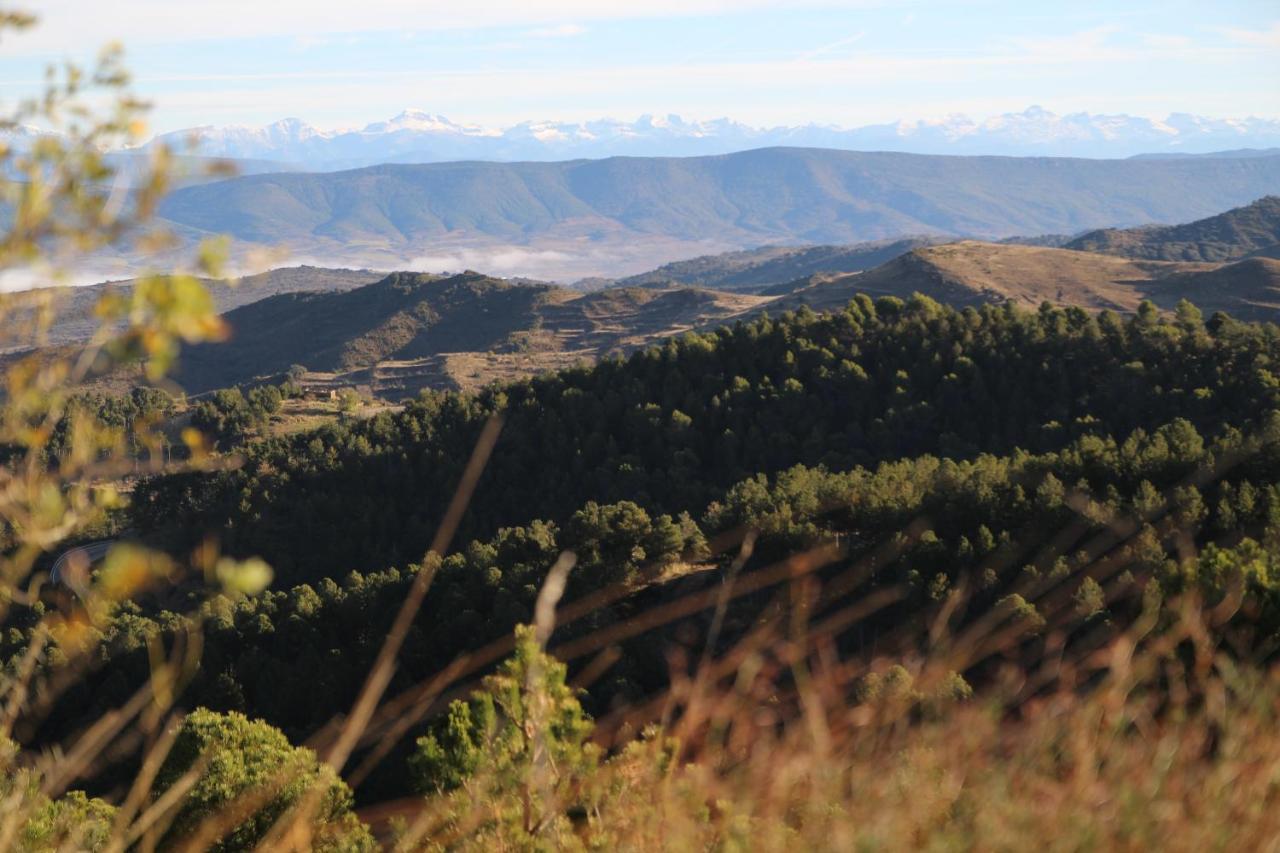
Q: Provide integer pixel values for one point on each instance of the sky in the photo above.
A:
(763, 62)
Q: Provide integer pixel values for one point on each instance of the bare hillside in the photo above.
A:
(971, 273)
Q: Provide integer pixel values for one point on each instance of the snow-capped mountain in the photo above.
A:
(415, 136)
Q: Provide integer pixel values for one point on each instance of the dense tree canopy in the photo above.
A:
(670, 427)
(247, 765)
(1044, 463)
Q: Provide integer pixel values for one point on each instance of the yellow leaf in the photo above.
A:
(129, 568)
(249, 577)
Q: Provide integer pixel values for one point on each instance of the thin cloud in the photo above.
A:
(1078, 44)
(1163, 40)
(1064, 51)
(560, 32)
(503, 260)
(1268, 38)
(76, 26)
(827, 48)
(621, 87)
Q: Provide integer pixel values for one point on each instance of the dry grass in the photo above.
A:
(971, 272)
(1138, 738)
(1155, 740)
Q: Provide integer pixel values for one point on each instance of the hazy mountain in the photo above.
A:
(132, 164)
(754, 270)
(74, 320)
(418, 137)
(581, 217)
(1238, 152)
(1253, 229)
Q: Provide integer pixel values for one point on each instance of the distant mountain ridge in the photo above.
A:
(416, 136)
(1238, 152)
(1234, 234)
(757, 270)
(393, 335)
(1247, 231)
(385, 216)
(75, 319)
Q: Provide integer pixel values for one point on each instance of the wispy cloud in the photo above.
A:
(733, 85)
(311, 42)
(1268, 38)
(1081, 44)
(811, 55)
(1164, 40)
(558, 32)
(930, 66)
(77, 25)
(760, 61)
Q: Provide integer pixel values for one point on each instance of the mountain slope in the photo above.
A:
(755, 270)
(1248, 289)
(1252, 229)
(74, 320)
(779, 195)
(973, 273)
(411, 330)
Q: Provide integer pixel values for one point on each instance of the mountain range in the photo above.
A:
(416, 136)
(412, 330)
(623, 215)
(394, 334)
(1252, 230)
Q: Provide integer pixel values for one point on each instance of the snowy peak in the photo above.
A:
(420, 121)
(418, 136)
(275, 141)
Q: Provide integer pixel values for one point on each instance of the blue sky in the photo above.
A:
(845, 62)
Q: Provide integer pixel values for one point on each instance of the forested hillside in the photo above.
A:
(671, 426)
(998, 450)
(1250, 230)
